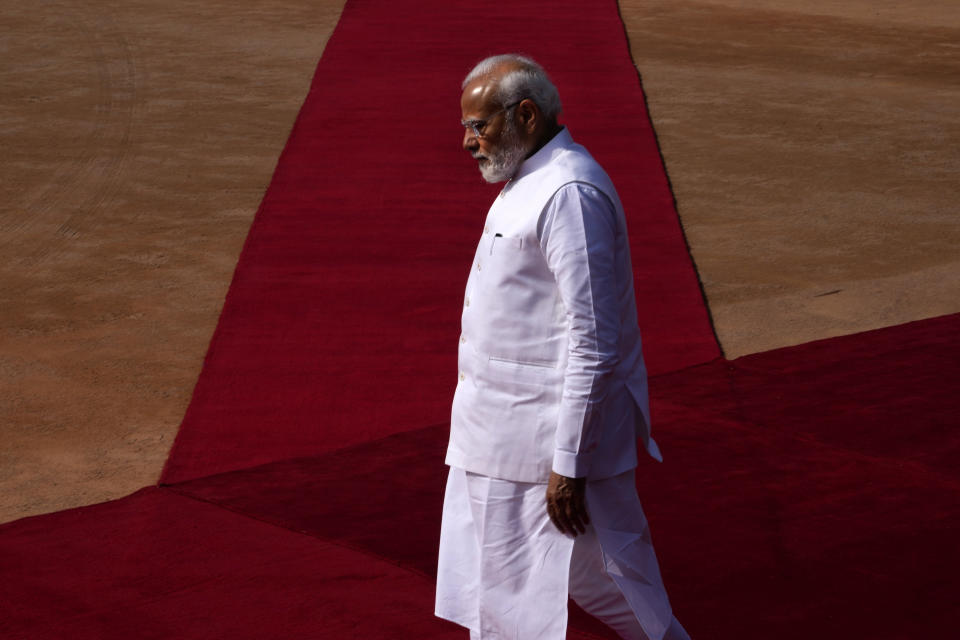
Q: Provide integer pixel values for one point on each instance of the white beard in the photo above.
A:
(504, 163)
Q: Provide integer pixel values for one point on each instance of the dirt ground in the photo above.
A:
(137, 141)
(814, 156)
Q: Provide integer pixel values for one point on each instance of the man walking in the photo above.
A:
(552, 392)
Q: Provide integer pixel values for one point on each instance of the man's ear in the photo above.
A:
(529, 115)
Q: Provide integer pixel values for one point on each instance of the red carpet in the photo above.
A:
(767, 501)
(157, 565)
(807, 492)
(343, 316)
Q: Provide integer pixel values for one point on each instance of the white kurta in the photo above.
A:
(551, 378)
(549, 329)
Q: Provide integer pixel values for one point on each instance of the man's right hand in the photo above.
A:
(566, 504)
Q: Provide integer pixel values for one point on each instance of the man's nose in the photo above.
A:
(470, 142)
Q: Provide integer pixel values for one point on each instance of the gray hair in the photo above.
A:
(527, 80)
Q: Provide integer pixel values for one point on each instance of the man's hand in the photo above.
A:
(565, 503)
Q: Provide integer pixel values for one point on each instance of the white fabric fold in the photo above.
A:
(504, 570)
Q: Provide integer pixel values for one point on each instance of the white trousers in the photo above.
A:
(505, 571)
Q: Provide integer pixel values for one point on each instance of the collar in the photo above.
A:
(556, 145)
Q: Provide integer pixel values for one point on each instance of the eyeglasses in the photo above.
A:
(478, 126)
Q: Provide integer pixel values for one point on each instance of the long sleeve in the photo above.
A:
(577, 233)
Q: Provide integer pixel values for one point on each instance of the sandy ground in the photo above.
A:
(815, 158)
(814, 155)
(137, 141)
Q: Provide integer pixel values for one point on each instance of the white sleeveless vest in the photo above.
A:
(514, 342)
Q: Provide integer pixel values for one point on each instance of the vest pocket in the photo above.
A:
(522, 363)
(537, 373)
(502, 243)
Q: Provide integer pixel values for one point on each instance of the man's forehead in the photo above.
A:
(478, 95)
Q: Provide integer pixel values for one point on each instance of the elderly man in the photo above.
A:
(552, 393)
